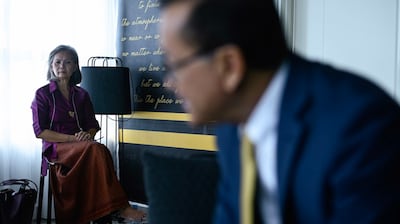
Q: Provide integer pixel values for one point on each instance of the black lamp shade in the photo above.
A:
(109, 89)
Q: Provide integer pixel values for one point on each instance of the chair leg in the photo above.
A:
(40, 200)
(49, 201)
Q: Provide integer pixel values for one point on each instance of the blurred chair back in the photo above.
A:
(180, 187)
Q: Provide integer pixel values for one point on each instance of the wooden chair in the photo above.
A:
(40, 198)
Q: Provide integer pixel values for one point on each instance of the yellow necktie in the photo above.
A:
(248, 180)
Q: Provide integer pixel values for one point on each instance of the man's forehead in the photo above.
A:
(173, 17)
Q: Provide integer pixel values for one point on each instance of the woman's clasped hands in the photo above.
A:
(82, 136)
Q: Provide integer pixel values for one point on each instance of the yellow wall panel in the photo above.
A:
(169, 139)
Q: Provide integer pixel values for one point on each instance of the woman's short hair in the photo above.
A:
(77, 75)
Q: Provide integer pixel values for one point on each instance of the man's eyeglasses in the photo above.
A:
(173, 67)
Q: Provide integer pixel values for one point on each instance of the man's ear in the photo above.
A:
(230, 67)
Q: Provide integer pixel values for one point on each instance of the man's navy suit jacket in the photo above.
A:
(338, 151)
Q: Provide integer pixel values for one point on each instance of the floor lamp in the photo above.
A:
(109, 90)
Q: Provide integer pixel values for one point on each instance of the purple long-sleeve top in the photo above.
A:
(51, 110)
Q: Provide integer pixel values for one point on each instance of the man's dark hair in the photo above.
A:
(76, 77)
(252, 25)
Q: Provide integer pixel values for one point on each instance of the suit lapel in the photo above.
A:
(291, 128)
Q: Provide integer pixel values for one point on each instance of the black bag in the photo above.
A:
(16, 206)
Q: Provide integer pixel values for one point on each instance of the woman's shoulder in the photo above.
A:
(80, 91)
(43, 93)
(43, 89)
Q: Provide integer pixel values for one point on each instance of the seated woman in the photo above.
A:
(83, 180)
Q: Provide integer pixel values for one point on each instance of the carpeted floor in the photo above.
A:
(133, 204)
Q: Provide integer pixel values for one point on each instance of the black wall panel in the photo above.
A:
(138, 47)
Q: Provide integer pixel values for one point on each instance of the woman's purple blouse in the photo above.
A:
(51, 110)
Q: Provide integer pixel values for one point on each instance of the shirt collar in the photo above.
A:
(265, 115)
(53, 86)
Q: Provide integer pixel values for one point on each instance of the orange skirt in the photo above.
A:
(84, 184)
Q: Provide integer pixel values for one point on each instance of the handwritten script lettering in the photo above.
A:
(145, 21)
(150, 83)
(141, 51)
(163, 100)
(146, 5)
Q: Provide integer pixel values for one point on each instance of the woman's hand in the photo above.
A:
(82, 136)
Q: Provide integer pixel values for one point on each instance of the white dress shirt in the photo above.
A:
(261, 128)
